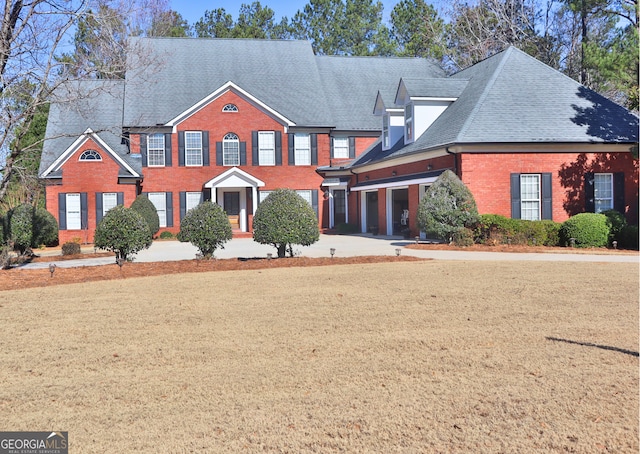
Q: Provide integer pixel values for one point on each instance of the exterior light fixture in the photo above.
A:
(52, 269)
(397, 252)
(269, 255)
(332, 251)
(120, 262)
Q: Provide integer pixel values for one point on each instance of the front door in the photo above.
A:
(231, 202)
(339, 207)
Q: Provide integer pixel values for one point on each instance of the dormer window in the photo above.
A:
(90, 155)
(408, 123)
(386, 141)
(230, 108)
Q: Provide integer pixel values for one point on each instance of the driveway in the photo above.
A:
(344, 245)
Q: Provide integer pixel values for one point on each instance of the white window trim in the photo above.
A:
(155, 150)
(230, 138)
(189, 200)
(270, 151)
(108, 204)
(523, 200)
(94, 153)
(299, 149)
(73, 211)
(596, 199)
(386, 137)
(161, 206)
(409, 129)
(344, 148)
(198, 150)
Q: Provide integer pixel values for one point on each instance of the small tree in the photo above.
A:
(21, 227)
(446, 207)
(207, 227)
(283, 219)
(45, 228)
(123, 231)
(148, 211)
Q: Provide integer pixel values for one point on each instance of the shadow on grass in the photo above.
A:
(589, 344)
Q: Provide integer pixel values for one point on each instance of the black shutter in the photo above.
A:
(169, 212)
(292, 154)
(120, 198)
(183, 204)
(255, 158)
(62, 211)
(547, 212)
(589, 193)
(314, 149)
(515, 196)
(278, 148)
(98, 207)
(243, 153)
(181, 148)
(352, 147)
(143, 149)
(205, 149)
(206, 195)
(618, 192)
(84, 211)
(218, 153)
(314, 202)
(167, 150)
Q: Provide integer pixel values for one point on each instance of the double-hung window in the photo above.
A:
(386, 140)
(530, 197)
(109, 200)
(231, 150)
(302, 149)
(408, 123)
(193, 148)
(263, 195)
(74, 218)
(192, 200)
(159, 200)
(266, 148)
(341, 147)
(603, 191)
(305, 194)
(155, 150)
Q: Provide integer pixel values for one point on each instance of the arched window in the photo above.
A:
(230, 108)
(90, 155)
(231, 150)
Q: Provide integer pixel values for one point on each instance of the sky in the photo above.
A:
(193, 10)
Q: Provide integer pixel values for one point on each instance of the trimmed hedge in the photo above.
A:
(207, 227)
(587, 230)
(497, 229)
(628, 237)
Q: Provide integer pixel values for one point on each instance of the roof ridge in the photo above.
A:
(485, 93)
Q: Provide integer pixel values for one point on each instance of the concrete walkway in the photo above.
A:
(344, 245)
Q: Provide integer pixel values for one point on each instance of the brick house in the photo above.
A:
(360, 138)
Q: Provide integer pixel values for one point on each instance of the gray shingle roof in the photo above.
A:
(434, 87)
(514, 98)
(81, 105)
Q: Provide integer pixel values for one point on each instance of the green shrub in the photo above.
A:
(148, 211)
(123, 231)
(45, 228)
(628, 237)
(345, 228)
(495, 229)
(21, 227)
(552, 232)
(284, 219)
(588, 230)
(207, 227)
(616, 222)
(446, 206)
(463, 237)
(71, 248)
(166, 235)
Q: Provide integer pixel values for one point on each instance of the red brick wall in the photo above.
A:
(89, 177)
(488, 178)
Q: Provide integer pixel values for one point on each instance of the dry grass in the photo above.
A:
(397, 357)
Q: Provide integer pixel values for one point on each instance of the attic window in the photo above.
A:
(90, 155)
(230, 108)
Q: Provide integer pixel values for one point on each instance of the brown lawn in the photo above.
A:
(422, 356)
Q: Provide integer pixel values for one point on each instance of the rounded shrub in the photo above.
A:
(71, 248)
(123, 231)
(45, 228)
(21, 227)
(148, 211)
(617, 222)
(207, 227)
(552, 232)
(463, 237)
(628, 237)
(166, 235)
(447, 206)
(587, 230)
(283, 219)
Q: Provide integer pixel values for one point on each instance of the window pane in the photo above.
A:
(192, 200)
(73, 212)
(193, 148)
(109, 200)
(266, 148)
(263, 195)
(302, 150)
(155, 150)
(305, 195)
(159, 200)
(603, 191)
(530, 197)
(231, 150)
(341, 147)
